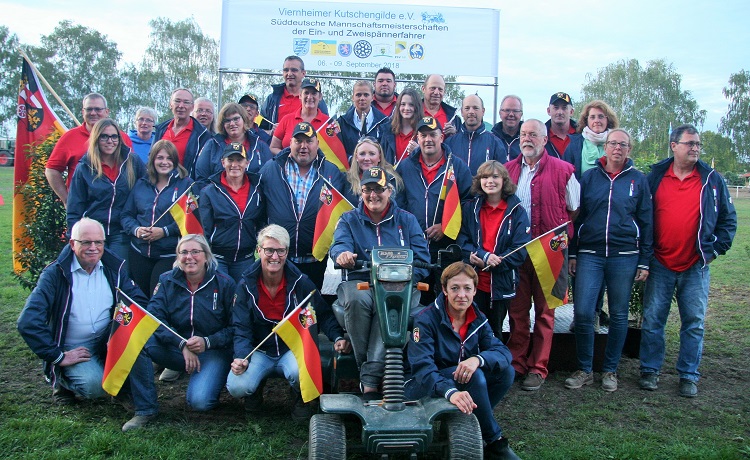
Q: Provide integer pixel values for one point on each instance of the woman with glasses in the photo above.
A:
(194, 300)
(233, 126)
(402, 141)
(612, 244)
(231, 211)
(368, 153)
(587, 146)
(376, 222)
(143, 135)
(153, 232)
(102, 183)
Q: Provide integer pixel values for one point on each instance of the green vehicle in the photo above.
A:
(7, 151)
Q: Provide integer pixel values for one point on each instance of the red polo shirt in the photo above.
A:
(464, 329)
(240, 196)
(180, 140)
(286, 126)
(439, 115)
(676, 220)
(561, 143)
(272, 307)
(431, 172)
(402, 141)
(490, 218)
(388, 110)
(289, 103)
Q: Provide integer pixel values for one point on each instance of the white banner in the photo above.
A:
(360, 37)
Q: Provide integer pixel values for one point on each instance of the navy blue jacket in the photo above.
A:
(357, 233)
(434, 346)
(231, 231)
(270, 109)
(350, 135)
(198, 138)
(281, 205)
(100, 198)
(423, 199)
(43, 322)
(616, 215)
(512, 143)
(206, 313)
(550, 147)
(718, 222)
(145, 204)
(249, 320)
(573, 153)
(476, 147)
(209, 161)
(514, 232)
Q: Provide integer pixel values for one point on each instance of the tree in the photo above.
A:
(9, 75)
(646, 100)
(719, 150)
(736, 123)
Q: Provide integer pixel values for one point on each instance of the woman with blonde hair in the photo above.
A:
(368, 153)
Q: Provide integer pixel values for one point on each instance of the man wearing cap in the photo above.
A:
(511, 113)
(560, 124)
(251, 106)
(550, 194)
(385, 91)
(377, 222)
(184, 131)
(473, 143)
(311, 94)
(291, 183)
(204, 112)
(285, 97)
(424, 171)
(434, 92)
(361, 119)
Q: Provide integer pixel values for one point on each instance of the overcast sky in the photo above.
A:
(545, 46)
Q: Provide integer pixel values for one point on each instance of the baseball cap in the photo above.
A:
(374, 175)
(305, 129)
(429, 122)
(310, 83)
(234, 148)
(565, 97)
(249, 98)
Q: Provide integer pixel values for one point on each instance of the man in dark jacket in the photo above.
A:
(284, 98)
(434, 106)
(361, 120)
(694, 223)
(67, 319)
(473, 143)
(560, 124)
(511, 113)
(185, 132)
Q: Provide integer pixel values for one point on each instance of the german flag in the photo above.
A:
(294, 331)
(131, 328)
(451, 221)
(333, 205)
(549, 254)
(184, 213)
(330, 144)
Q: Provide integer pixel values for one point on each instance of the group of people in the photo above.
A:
(223, 291)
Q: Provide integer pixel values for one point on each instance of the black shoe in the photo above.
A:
(500, 450)
(649, 381)
(63, 396)
(603, 319)
(254, 402)
(688, 388)
(303, 411)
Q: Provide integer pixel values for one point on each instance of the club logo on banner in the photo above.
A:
(416, 51)
(124, 315)
(345, 49)
(559, 242)
(307, 317)
(301, 46)
(362, 49)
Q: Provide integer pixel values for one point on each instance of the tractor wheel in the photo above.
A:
(464, 437)
(5, 159)
(327, 439)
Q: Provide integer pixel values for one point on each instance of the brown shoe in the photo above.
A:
(139, 421)
(63, 397)
(532, 382)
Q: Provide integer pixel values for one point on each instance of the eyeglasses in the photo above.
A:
(516, 111)
(377, 190)
(613, 144)
(96, 243)
(270, 251)
(290, 69)
(94, 109)
(109, 137)
(144, 120)
(183, 102)
(209, 111)
(691, 144)
(228, 121)
(192, 252)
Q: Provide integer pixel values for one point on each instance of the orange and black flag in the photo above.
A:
(333, 205)
(36, 122)
(131, 328)
(331, 146)
(451, 221)
(294, 330)
(549, 254)
(185, 212)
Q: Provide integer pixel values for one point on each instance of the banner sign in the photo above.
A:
(360, 37)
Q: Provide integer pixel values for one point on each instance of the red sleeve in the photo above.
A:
(58, 159)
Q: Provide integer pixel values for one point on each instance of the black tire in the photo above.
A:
(464, 437)
(5, 159)
(327, 439)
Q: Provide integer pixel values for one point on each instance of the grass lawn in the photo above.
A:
(552, 423)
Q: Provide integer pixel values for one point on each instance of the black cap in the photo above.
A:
(234, 148)
(374, 175)
(304, 129)
(310, 83)
(249, 98)
(429, 122)
(565, 97)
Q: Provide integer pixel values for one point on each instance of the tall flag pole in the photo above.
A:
(36, 121)
(332, 206)
(331, 146)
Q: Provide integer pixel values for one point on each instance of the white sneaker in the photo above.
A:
(169, 375)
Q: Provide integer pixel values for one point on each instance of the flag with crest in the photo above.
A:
(294, 330)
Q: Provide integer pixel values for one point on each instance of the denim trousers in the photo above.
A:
(486, 389)
(692, 302)
(119, 243)
(235, 269)
(205, 386)
(617, 273)
(85, 380)
(261, 367)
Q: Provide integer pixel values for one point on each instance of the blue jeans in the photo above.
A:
(617, 273)
(119, 243)
(235, 269)
(260, 368)
(487, 390)
(205, 386)
(692, 301)
(85, 380)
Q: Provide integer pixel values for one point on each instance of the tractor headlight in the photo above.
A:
(394, 272)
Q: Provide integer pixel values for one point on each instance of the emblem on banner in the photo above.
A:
(345, 49)
(326, 196)
(362, 49)
(323, 48)
(559, 242)
(416, 51)
(383, 50)
(400, 47)
(301, 46)
(435, 18)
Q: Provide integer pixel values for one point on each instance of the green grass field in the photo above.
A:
(552, 423)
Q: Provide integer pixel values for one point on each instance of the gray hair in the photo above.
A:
(148, 111)
(538, 122)
(95, 96)
(211, 261)
(205, 99)
(276, 232)
(512, 96)
(682, 129)
(76, 230)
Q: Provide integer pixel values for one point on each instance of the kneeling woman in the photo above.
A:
(195, 300)
(454, 355)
